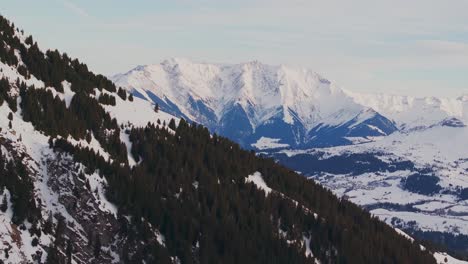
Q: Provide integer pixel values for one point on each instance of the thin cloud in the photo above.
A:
(365, 45)
(75, 8)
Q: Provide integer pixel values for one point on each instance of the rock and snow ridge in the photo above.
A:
(290, 105)
(248, 101)
(413, 112)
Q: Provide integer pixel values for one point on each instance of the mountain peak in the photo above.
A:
(177, 61)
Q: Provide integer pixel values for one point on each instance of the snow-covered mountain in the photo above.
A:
(254, 103)
(416, 113)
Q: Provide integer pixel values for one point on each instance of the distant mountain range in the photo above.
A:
(262, 106)
(411, 113)
(253, 103)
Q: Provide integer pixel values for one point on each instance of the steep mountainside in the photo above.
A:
(253, 103)
(90, 174)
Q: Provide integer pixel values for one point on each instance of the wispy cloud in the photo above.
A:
(75, 8)
(418, 45)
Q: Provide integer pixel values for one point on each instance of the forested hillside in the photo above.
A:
(89, 174)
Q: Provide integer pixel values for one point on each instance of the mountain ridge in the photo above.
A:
(392, 106)
(291, 102)
(410, 111)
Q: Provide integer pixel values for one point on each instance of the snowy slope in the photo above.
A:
(279, 102)
(55, 178)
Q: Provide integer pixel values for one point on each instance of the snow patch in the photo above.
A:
(138, 112)
(306, 242)
(97, 184)
(444, 258)
(257, 179)
(269, 143)
(125, 138)
(399, 231)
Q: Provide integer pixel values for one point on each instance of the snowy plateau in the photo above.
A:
(403, 158)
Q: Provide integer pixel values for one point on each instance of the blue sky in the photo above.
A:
(402, 47)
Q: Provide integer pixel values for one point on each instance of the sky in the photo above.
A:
(416, 47)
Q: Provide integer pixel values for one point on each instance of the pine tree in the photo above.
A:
(122, 94)
(29, 40)
(51, 142)
(60, 230)
(4, 205)
(88, 137)
(97, 247)
(49, 224)
(69, 251)
(172, 124)
(53, 255)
